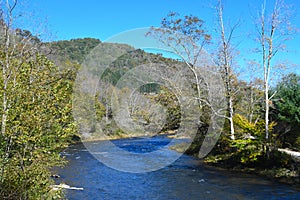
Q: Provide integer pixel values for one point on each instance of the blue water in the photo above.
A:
(187, 178)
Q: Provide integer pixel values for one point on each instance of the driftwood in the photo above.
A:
(65, 186)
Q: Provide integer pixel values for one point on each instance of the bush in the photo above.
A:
(31, 183)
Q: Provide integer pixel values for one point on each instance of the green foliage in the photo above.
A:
(246, 127)
(39, 124)
(288, 95)
(129, 60)
(248, 150)
(250, 144)
(286, 111)
(74, 50)
(150, 88)
(170, 102)
(31, 183)
(99, 108)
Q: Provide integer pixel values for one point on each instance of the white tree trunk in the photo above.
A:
(267, 108)
(230, 117)
(225, 64)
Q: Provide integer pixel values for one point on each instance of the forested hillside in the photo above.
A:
(74, 50)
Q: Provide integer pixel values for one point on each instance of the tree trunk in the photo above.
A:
(230, 117)
(267, 109)
(226, 59)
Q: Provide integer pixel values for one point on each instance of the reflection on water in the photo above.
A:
(186, 178)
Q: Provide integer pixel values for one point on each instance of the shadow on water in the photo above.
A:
(142, 144)
(187, 178)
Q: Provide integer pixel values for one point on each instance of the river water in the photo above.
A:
(186, 178)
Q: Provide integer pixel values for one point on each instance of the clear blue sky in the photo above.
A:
(68, 19)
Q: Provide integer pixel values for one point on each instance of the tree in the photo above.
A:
(224, 60)
(273, 31)
(249, 100)
(288, 99)
(286, 108)
(187, 37)
(36, 120)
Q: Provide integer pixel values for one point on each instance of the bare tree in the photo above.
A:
(255, 99)
(205, 98)
(225, 59)
(187, 38)
(273, 30)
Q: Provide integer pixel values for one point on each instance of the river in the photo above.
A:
(186, 178)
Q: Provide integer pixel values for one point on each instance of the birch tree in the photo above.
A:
(273, 30)
(225, 59)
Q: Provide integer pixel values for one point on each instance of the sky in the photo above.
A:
(70, 19)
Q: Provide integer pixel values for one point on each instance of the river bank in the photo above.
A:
(280, 175)
(277, 173)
